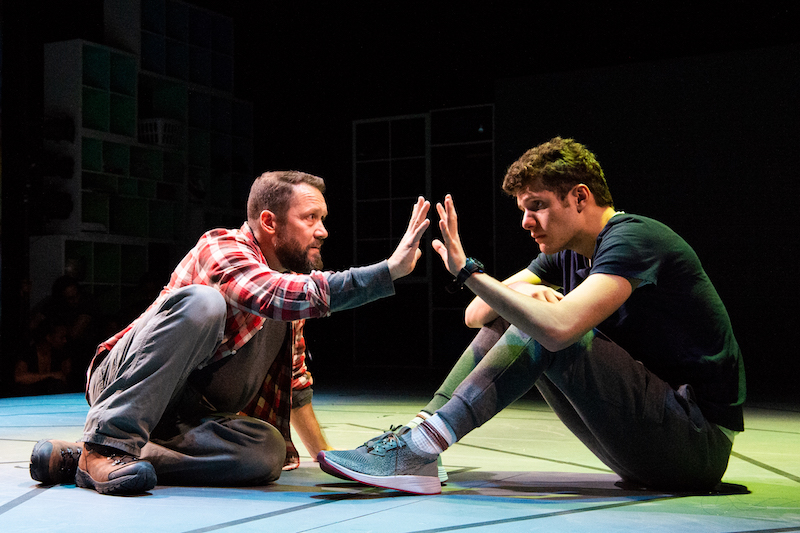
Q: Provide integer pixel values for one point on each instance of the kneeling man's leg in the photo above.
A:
(222, 450)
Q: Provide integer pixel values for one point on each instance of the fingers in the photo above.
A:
(418, 222)
(419, 212)
(441, 249)
(420, 230)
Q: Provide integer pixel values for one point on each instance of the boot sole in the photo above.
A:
(137, 483)
(413, 484)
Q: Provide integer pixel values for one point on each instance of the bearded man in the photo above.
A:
(197, 390)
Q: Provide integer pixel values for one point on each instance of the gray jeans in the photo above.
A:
(149, 398)
(639, 426)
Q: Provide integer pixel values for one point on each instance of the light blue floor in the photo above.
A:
(523, 471)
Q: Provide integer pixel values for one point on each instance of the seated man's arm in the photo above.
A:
(556, 325)
(478, 313)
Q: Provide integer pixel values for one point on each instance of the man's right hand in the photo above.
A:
(538, 291)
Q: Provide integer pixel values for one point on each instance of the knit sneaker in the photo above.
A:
(110, 471)
(398, 430)
(387, 463)
(55, 461)
(442, 473)
(364, 447)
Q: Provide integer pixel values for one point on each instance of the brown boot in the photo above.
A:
(55, 461)
(110, 471)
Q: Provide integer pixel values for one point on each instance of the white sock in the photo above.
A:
(432, 436)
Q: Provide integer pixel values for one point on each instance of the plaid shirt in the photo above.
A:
(301, 377)
(231, 262)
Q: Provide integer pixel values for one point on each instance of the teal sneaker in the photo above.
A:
(386, 463)
(442, 473)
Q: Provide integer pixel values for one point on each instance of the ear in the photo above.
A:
(581, 193)
(268, 222)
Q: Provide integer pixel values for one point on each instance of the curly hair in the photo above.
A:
(558, 165)
(273, 191)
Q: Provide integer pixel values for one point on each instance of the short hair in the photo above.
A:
(273, 191)
(558, 165)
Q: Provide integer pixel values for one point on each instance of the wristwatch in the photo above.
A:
(471, 266)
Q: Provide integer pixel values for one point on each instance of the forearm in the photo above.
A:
(305, 424)
(542, 320)
(560, 323)
(359, 285)
(479, 313)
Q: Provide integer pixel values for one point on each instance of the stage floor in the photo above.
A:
(523, 471)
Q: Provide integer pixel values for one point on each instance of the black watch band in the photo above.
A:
(472, 266)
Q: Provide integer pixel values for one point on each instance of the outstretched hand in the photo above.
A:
(407, 253)
(449, 248)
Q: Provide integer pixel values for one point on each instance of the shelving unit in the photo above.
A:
(162, 151)
(396, 159)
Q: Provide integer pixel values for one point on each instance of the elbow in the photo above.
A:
(552, 345)
(472, 322)
(557, 340)
(471, 318)
(476, 319)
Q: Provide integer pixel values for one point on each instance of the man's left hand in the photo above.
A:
(405, 257)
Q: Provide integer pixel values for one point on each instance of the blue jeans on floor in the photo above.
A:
(644, 430)
(146, 375)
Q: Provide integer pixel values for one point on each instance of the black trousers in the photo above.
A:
(640, 427)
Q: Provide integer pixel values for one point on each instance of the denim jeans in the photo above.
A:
(143, 400)
(640, 427)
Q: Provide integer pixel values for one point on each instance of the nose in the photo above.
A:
(528, 221)
(321, 231)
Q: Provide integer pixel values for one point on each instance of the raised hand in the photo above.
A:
(449, 248)
(407, 253)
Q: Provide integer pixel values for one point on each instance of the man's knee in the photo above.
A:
(200, 305)
(264, 449)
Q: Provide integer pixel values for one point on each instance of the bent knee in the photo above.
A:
(201, 304)
(266, 449)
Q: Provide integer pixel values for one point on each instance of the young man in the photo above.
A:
(635, 354)
(166, 392)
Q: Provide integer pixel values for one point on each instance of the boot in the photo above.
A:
(111, 471)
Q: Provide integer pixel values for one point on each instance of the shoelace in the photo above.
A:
(69, 459)
(393, 430)
(389, 442)
(122, 459)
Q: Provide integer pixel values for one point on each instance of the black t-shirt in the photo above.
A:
(674, 322)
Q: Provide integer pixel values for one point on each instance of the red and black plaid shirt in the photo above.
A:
(231, 262)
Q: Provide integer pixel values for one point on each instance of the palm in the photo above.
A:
(449, 248)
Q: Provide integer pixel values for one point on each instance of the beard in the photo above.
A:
(296, 258)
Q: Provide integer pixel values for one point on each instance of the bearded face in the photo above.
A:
(296, 257)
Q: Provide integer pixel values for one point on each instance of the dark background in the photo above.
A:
(690, 109)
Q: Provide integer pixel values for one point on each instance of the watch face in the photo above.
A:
(473, 265)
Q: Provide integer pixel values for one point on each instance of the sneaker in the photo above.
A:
(364, 447)
(55, 461)
(398, 430)
(387, 463)
(110, 471)
(442, 473)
